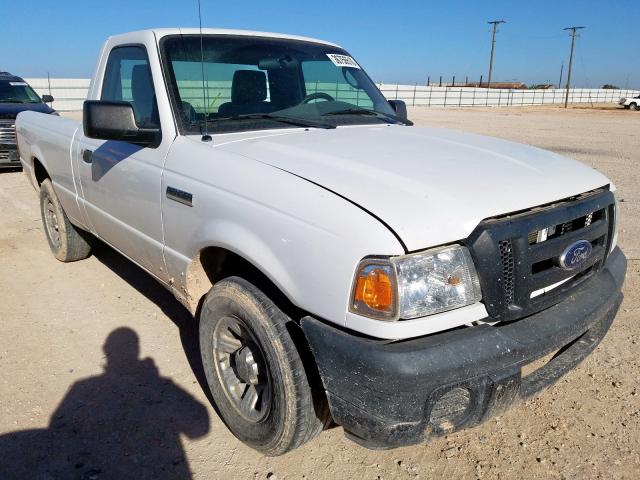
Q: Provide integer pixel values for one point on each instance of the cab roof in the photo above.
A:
(163, 32)
(8, 77)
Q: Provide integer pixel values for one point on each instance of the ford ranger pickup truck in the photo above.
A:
(345, 267)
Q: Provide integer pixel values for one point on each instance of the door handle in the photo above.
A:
(87, 155)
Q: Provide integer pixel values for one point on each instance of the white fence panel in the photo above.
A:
(69, 93)
(452, 96)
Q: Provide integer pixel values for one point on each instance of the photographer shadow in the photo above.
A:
(124, 423)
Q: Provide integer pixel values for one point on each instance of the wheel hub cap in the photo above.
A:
(51, 222)
(241, 369)
(245, 365)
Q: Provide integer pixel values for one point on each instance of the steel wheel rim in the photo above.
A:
(51, 222)
(241, 368)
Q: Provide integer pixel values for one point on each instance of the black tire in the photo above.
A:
(634, 106)
(288, 415)
(67, 243)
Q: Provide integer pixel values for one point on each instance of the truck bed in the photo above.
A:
(50, 141)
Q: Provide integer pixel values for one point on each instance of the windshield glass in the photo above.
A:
(255, 83)
(17, 92)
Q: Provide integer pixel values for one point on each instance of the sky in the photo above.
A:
(396, 41)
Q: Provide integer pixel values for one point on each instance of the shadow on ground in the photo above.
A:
(125, 423)
(159, 295)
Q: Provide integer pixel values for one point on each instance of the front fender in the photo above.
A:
(246, 244)
(307, 240)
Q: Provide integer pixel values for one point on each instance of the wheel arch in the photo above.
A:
(213, 263)
(40, 173)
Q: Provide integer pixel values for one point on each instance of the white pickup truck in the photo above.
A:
(344, 266)
(630, 103)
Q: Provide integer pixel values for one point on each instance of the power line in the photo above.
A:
(573, 42)
(495, 24)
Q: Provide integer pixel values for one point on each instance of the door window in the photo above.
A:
(127, 78)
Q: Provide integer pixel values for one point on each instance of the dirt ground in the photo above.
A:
(69, 361)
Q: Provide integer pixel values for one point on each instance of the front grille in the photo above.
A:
(554, 231)
(7, 132)
(517, 256)
(508, 269)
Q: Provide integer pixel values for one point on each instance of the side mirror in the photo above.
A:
(47, 98)
(105, 120)
(400, 108)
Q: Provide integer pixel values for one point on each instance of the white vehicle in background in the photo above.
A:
(632, 103)
(343, 265)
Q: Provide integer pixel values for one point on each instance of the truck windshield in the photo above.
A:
(250, 83)
(17, 92)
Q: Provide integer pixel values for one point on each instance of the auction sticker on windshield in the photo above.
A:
(342, 60)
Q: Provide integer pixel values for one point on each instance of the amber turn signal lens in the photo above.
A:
(375, 289)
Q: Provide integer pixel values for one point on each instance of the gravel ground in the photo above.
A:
(73, 386)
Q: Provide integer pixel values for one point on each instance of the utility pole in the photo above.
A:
(495, 24)
(573, 42)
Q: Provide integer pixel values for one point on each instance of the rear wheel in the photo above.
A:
(634, 106)
(67, 242)
(254, 371)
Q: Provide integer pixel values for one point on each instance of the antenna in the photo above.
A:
(205, 137)
(49, 83)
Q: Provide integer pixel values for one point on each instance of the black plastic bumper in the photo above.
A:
(392, 394)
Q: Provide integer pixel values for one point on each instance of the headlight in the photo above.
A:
(415, 285)
(435, 281)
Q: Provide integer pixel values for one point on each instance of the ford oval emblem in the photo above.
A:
(575, 255)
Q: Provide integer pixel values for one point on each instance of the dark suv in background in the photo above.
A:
(16, 96)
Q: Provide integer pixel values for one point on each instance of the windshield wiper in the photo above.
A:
(364, 111)
(12, 100)
(352, 111)
(300, 122)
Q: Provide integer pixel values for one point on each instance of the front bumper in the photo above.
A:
(393, 394)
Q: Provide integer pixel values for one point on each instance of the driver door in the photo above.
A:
(121, 181)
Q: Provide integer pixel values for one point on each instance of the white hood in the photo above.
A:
(430, 185)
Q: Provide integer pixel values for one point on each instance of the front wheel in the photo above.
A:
(67, 242)
(634, 106)
(254, 371)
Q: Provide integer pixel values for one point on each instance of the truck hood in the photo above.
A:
(11, 110)
(430, 185)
